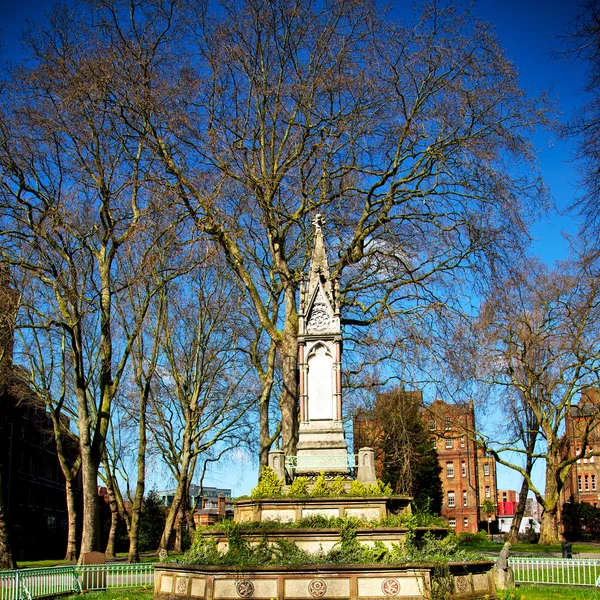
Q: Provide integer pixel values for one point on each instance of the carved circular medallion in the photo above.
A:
(181, 586)
(390, 587)
(244, 588)
(319, 318)
(462, 585)
(317, 588)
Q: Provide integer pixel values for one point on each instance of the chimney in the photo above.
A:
(221, 506)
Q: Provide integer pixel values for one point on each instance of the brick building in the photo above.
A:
(468, 476)
(583, 480)
(33, 485)
(506, 503)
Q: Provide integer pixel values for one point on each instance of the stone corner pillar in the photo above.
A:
(276, 461)
(366, 466)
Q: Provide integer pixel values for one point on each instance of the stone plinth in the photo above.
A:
(289, 510)
(354, 582)
(321, 447)
(323, 540)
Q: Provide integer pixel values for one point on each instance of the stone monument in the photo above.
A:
(321, 442)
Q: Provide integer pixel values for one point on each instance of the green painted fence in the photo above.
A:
(26, 584)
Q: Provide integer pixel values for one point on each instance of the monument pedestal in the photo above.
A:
(321, 447)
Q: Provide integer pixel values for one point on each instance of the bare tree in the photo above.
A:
(396, 132)
(538, 339)
(583, 44)
(81, 215)
(263, 113)
(200, 407)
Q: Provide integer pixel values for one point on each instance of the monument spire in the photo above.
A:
(321, 445)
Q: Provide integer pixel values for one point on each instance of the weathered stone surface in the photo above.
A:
(355, 582)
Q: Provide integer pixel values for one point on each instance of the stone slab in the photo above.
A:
(391, 587)
(317, 587)
(321, 512)
(241, 587)
(282, 515)
(366, 513)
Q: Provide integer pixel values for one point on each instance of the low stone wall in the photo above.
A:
(288, 510)
(337, 582)
(323, 540)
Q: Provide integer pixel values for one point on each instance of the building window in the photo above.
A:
(463, 468)
(594, 483)
(451, 500)
(452, 522)
(486, 469)
(434, 443)
(449, 469)
(488, 491)
(464, 497)
(431, 424)
(579, 486)
(447, 423)
(462, 441)
(466, 522)
(587, 482)
(448, 442)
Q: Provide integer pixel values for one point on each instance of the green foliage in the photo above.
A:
(580, 520)
(268, 486)
(466, 537)
(347, 551)
(299, 488)
(152, 522)
(337, 487)
(410, 462)
(320, 487)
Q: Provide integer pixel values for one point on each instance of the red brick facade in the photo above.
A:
(468, 476)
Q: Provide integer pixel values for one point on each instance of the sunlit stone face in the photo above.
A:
(320, 385)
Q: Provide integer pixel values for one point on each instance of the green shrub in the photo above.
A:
(299, 488)
(347, 551)
(466, 537)
(337, 487)
(320, 487)
(268, 486)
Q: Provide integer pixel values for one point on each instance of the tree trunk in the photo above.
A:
(178, 503)
(549, 532)
(513, 535)
(133, 555)
(71, 553)
(179, 530)
(289, 392)
(112, 534)
(264, 433)
(70, 473)
(7, 560)
(90, 539)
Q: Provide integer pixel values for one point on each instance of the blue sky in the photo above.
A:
(529, 30)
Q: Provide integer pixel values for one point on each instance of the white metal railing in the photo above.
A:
(557, 571)
(27, 584)
(321, 462)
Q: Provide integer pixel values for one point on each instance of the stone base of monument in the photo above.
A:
(321, 447)
(323, 540)
(353, 582)
(290, 510)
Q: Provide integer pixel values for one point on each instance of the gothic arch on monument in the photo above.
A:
(321, 444)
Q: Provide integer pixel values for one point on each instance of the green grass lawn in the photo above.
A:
(540, 592)
(525, 592)
(38, 564)
(132, 594)
(485, 546)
